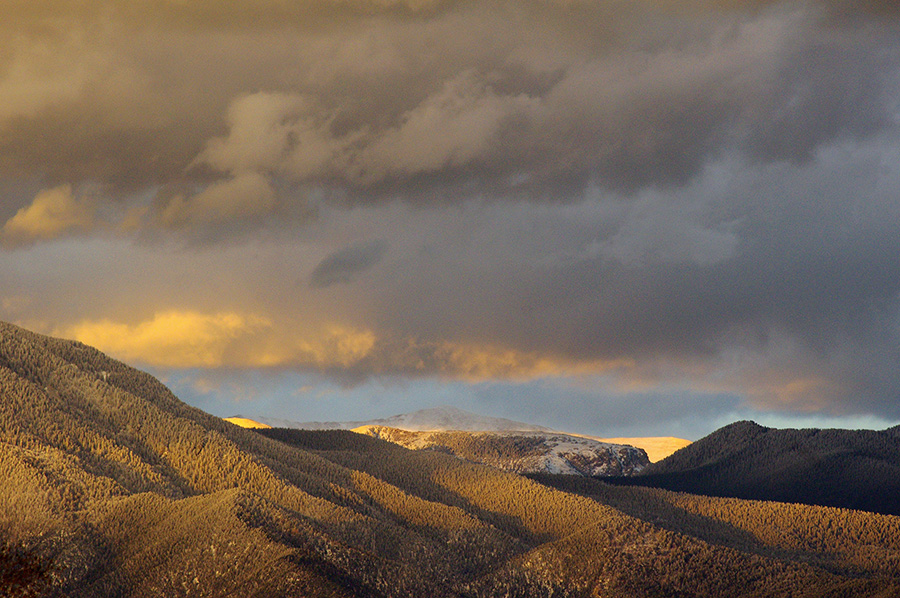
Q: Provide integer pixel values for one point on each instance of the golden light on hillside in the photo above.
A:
(245, 422)
(657, 448)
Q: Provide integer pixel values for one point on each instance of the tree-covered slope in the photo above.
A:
(113, 487)
(854, 469)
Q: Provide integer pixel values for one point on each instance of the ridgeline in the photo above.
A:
(114, 487)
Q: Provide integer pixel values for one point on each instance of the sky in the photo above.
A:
(610, 217)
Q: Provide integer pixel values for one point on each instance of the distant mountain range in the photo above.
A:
(446, 419)
(853, 469)
(114, 487)
(424, 420)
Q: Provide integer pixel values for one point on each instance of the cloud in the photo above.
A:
(697, 195)
(434, 101)
(295, 136)
(623, 114)
(39, 77)
(180, 339)
(451, 129)
(263, 129)
(795, 307)
(53, 213)
(664, 228)
(342, 266)
(189, 339)
(247, 195)
(353, 357)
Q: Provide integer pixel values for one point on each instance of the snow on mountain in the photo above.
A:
(451, 418)
(446, 419)
(523, 451)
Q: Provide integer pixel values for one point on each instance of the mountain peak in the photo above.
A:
(744, 425)
(446, 418)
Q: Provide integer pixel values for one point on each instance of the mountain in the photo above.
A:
(434, 419)
(853, 469)
(446, 419)
(114, 487)
(523, 452)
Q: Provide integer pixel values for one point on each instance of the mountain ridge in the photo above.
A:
(114, 487)
(523, 452)
(447, 419)
(854, 469)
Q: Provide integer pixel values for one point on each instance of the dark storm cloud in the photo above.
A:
(427, 100)
(697, 195)
(342, 266)
(781, 281)
(650, 104)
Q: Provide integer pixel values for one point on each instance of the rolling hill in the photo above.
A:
(853, 469)
(114, 487)
(523, 452)
(452, 419)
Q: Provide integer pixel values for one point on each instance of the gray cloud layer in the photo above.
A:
(384, 101)
(700, 194)
(342, 266)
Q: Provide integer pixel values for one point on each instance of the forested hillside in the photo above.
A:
(113, 487)
(853, 469)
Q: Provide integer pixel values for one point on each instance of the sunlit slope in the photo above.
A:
(632, 542)
(113, 487)
(838, 541)
(656, 447)
(80, 433)
(245, 422)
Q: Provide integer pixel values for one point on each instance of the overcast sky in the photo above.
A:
(612, 217)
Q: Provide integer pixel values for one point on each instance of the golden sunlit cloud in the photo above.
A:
(53, 213)
(479, 363)
(191, 339)
(337, 347)
(180, 339)
(796, 391)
